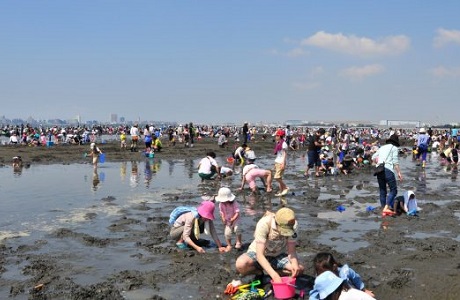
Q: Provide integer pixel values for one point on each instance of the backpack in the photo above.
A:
(178, 211)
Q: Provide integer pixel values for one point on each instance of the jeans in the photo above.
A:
(387, 177)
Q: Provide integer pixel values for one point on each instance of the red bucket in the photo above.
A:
(284, 289)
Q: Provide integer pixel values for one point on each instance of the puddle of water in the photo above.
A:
(425, 235)
(348, 235)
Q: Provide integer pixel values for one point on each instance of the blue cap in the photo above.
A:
(326, 283)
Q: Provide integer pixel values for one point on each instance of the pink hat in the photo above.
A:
(206, 210)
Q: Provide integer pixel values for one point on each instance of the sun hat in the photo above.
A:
(250, 155)
(394, 140)
(326, 283)
(92, 145)
(285, 219)
(206, 210)
(224, 194)
(422, 130)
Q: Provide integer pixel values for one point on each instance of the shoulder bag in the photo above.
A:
(380, 168)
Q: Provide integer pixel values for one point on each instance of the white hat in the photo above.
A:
(224, 195)
(422, 130)
(92, 145)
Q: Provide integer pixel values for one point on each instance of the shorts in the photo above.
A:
(206, 176)
(313, 159)
(252, 175)
(230, 230)
(278, 262)
(278, 171)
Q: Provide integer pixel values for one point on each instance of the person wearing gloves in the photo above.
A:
(187, 227)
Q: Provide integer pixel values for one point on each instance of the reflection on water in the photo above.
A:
(41, 196)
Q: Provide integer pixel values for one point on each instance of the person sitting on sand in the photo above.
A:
(251, 171)
(187, 227)
(324, 261)
(273, 249)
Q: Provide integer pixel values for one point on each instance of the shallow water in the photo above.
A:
(44, 198)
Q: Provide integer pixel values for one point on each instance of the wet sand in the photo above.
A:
(403, 257)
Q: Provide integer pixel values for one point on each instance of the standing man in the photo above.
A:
(245, 132)
(134, 132)
(314, 147)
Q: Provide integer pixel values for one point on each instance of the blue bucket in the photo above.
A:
(102, 158)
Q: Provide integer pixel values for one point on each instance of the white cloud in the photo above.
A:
(445, 36)
(359, 46)
(296, 52)
(356, 73)
(442, 72)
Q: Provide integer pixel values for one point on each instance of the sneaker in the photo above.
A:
(279, 194)
(285, 191)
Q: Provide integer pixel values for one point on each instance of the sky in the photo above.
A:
(209, 61)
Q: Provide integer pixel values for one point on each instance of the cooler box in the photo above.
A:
(49, 144)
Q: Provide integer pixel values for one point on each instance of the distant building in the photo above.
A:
(113, 118)
(400, 123)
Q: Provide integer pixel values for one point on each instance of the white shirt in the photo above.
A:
(134, 131)
(354, 294)
(279, 154)
(205, 165)
(14, 139)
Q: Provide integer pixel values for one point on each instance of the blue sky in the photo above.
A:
(231, 61)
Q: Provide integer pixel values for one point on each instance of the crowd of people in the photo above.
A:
(329, 151)
(272, 252)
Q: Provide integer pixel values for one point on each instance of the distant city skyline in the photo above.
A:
(231, 61)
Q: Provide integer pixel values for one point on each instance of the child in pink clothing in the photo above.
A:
(230, 215)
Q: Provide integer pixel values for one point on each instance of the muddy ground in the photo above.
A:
(393, 265)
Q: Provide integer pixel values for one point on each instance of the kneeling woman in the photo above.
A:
(188, 226)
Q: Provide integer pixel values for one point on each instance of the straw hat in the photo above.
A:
(285, 219)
